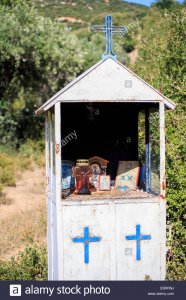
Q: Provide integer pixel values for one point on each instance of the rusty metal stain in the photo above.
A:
(163, 185)
(57, 148)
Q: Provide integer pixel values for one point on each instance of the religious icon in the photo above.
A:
(104, 183)
(98, 161)
(127, 175)
(99, 167)
(96, 169)
(67, 179)
(82, 174)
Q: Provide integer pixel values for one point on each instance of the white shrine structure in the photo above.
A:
(105, 238)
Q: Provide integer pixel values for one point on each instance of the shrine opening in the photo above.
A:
(105, 171)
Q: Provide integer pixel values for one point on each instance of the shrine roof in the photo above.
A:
(107, 81)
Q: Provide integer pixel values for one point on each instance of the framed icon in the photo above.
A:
(127, 175)
(104, 183)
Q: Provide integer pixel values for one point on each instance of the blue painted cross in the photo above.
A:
(108, 29)
(86, 240)
(138, 238)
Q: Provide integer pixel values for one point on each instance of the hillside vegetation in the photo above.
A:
(162, 63)
(85, 11)
(43, 47)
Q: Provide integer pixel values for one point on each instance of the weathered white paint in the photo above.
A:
(51, 206)
(112, 237)
(162, 149)
(59, 216)
(95, 217)
(148, 216)
(51, 196)
(52, 218)
(112, 220)
(47, 149)
(163, 250)
(106, 81)
(49, 235)
(48, 200)
(55, 237)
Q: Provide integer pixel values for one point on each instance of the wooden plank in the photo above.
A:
(162, 221)
(51, 194)
(150, 199)
(53, 202)
(59, 215)
(47, 149)
(147, 149)
(162, 149)
(51, 152)
(113, 258)
(48, 192)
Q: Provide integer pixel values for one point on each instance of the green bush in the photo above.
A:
(31, 264)
(13, 161)
(33, 149)
(162, 64)
(7, 170)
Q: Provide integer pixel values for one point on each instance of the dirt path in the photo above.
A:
(28, 194)
(25, 217)
(133, 56)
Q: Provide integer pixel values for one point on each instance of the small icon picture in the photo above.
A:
(15, 290)
(104, 183)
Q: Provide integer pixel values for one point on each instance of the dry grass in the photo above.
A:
(22, 197)
(16, 231)
(14, 162)
(24, 219)
(4, 200)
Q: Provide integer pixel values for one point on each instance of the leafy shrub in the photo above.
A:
(7, 170)
(31, 264)
(33, 151)
(162, 64)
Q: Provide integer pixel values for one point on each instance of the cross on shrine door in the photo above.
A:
(110, 240)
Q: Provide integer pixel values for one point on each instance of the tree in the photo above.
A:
(162, 63)
(37, 58)
(166, 4)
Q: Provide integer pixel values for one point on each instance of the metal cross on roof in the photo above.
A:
(109, 29)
